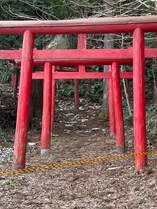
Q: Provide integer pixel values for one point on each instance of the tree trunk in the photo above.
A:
(108, 43)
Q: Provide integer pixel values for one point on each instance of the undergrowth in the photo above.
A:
(3, 135)
(90, 89)
(151, 124)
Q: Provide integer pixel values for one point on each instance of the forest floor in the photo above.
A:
(77, 135)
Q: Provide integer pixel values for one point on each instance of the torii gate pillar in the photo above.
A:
(23, 101)
(139, 99)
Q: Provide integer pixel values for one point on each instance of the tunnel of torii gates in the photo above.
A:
(79, 58)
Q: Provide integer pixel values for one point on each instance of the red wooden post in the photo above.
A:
(120, 139)
(111, 106)
(139, 98)
(82, 41)
(46, 115)
(55, 93)
(23, 101)
(53, 96)
(81, 44)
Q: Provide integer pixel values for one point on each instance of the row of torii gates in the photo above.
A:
(79, 58)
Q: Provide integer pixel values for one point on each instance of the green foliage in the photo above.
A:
(127, 117)
(89, 89)
(13, 183)
(66, 91)
(6, 69)
(95, 91)
(0, 92)
(151, 123)
(3, 135)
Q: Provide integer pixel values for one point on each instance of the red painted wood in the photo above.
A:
(79, 75)
(90, 25)
(83, 56)
(75, 56)
(80, 22)
(23, 101)
(38, 75)
(120, 140)
(75, 60)
(82, 41)
(10, 54)
(128, 75)
(111, 106)
(47, 104)
(107, 54)
(150, 52)
(53, 96)
(61, 75)
(139, 98)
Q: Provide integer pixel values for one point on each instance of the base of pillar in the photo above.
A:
(45, 152)
(18, 167)
(76, 109)
(120, 150)
(112, 134)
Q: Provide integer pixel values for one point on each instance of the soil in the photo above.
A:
(78, 135)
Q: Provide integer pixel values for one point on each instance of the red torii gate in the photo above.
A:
(135, 56)
(49, 96)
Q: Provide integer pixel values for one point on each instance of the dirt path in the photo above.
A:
(112, 184)
(107, 185)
